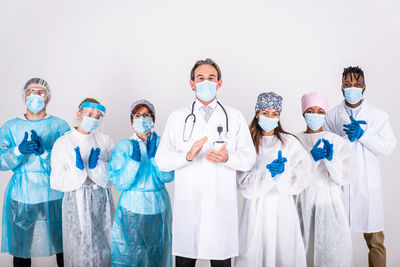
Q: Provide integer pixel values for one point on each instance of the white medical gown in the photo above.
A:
(88, 206)
(363, 197)
(325, 228)
(269, 231)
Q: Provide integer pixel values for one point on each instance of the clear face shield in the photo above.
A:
(90, 116)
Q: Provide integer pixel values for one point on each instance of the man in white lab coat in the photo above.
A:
(205, 143)
(370, 134)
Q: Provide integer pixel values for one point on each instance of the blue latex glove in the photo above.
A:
(278, 165)
(329, 149)
(78, 161)
(93, 157)
(27, 147)
(135, 151)
(316, 152)
(151, 146)
(354, 130)
(38, 140)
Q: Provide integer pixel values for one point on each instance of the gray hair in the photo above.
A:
(207, 61)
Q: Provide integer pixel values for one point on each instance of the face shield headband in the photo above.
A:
(99, 107)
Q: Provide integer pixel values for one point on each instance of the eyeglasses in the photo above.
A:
(147, 115)
(33, 91)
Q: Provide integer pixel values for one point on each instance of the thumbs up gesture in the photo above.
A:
(354, 130)
(278, 165)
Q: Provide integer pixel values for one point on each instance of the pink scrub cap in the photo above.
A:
(314, 99)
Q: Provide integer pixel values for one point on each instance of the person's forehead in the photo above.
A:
(270, 110)
(143, 110)
(205, 69)
(93, 111)
(36, 86)
(315, 107)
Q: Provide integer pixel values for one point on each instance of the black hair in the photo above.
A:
(356, 71)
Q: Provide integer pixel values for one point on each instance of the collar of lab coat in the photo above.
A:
(354, 110)
(199, 105)
(360, 116)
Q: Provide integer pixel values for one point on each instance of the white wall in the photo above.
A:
(118, 51)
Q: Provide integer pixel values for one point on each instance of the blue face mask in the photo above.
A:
(90, 124)
(143, 125)
(314, 121)
(206, 90)
(35, 103)
(353, 95)
(268, 124)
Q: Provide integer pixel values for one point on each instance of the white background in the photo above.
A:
(122, 50)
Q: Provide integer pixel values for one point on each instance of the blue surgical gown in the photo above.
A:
(141, 234)
(31, 210)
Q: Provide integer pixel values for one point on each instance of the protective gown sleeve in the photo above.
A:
(379, 137)
(99, 174)
(45, 158)
(9, 153)
(165, 177)
(255, 183)
(123, 169)
(298, 170)
(167, 157)
(342, 164)
(244, 158)
(65, 176)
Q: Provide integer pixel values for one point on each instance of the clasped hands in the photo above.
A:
(213, 156)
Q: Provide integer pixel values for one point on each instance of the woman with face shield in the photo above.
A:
(80, 161)
(325, 229)
(269, 232)
(141, 234)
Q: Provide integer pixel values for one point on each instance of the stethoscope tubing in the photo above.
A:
(194, 120)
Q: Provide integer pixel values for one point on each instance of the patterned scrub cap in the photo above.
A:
(269, 100)
(143, 101)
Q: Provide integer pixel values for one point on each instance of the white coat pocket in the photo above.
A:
(374, 179)
(226, 182)
(183, 183)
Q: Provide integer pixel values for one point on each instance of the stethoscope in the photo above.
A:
(219, 128)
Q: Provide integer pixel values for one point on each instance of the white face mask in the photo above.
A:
(35, 103)
(143, 125)
(268, 124)
(353, 95)
(206, 90)
(314, 121)
(89, 124)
